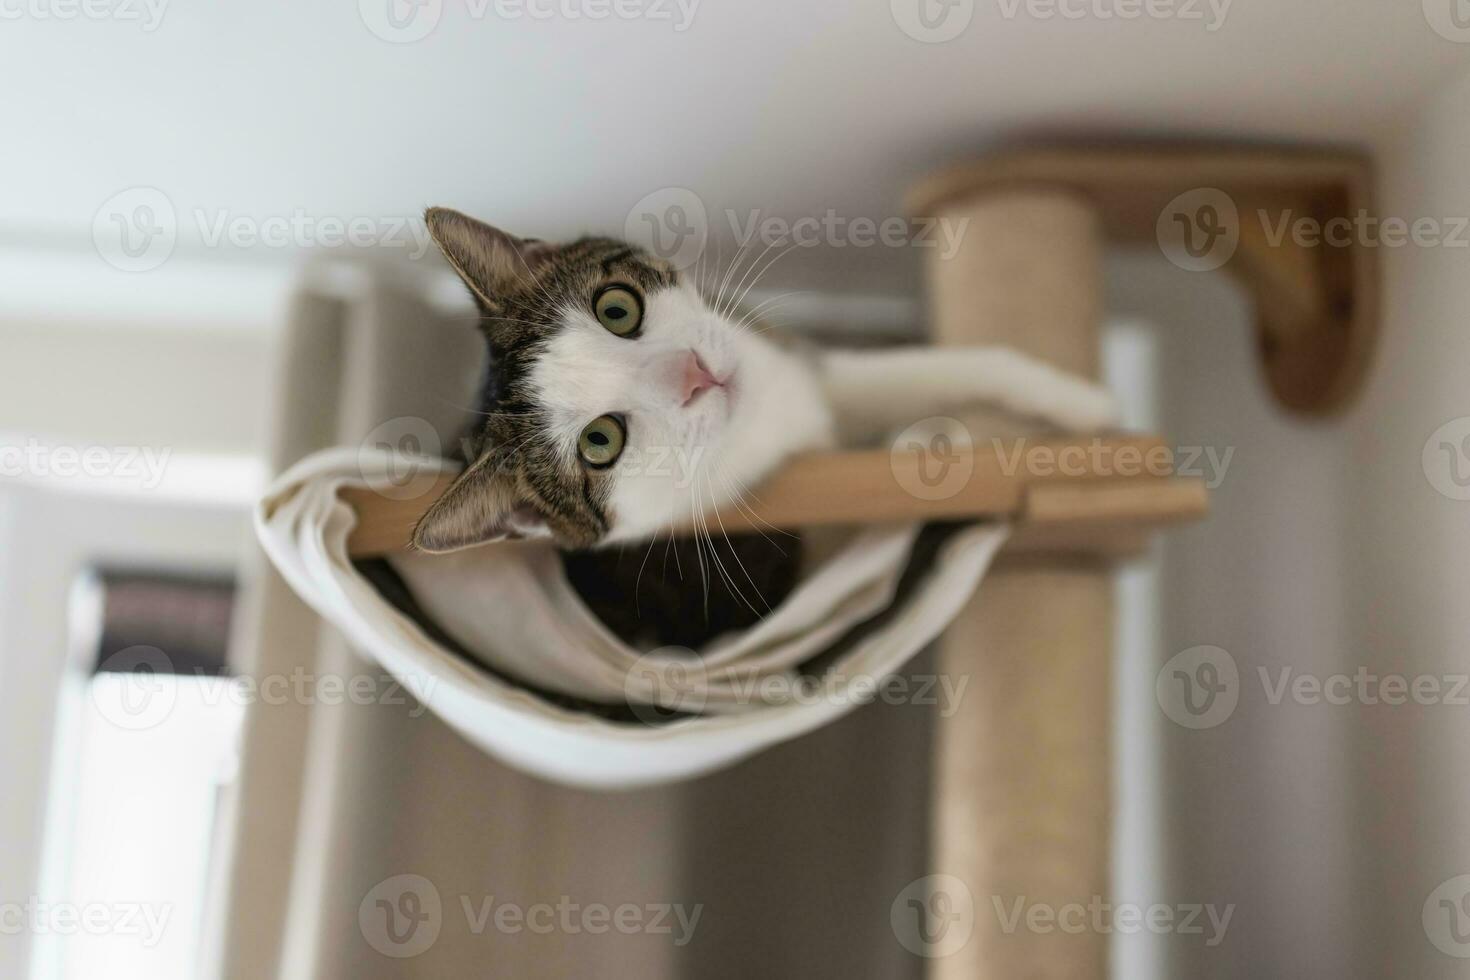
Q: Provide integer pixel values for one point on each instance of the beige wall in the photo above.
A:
(1408, 562)
(1328, 550)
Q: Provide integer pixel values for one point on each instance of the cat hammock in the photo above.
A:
(496, 642)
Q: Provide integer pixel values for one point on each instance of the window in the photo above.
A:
(147, 739)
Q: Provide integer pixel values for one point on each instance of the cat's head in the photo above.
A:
(612, 390)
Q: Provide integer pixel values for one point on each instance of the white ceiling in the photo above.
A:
(551, 127)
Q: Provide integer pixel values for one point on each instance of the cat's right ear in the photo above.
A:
(490, 261)
(481, 505)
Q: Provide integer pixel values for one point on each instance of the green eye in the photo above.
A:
(601, 442)
(619, 309)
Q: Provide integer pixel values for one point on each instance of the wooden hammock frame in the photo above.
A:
(1102, 494)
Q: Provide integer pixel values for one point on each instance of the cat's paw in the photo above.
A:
(1084, 407)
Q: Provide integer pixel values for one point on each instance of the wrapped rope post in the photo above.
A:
(1021, 776)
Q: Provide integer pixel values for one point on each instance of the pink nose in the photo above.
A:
(695, 379)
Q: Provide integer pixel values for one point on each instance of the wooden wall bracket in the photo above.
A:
(1296, 227)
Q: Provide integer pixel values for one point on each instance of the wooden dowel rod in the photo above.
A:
(870, 487)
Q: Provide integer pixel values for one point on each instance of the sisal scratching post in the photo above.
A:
(1022, 805)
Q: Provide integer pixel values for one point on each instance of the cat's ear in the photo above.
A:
(480, 506)
(489, 260)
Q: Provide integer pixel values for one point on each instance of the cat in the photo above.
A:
(621, 401)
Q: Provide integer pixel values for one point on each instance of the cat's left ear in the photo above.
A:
(490, 261)
(482, 505)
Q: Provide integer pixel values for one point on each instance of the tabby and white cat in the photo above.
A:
(606, 364)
